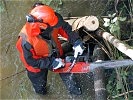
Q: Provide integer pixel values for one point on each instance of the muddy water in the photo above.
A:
(18, 86)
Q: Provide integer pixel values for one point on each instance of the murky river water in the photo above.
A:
(18, 86)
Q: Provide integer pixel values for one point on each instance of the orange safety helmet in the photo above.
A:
(43, 14)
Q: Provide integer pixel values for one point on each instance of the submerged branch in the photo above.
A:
(13, 75)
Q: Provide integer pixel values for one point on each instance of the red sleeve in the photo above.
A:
(63, 33)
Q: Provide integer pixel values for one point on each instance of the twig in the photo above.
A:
(7, 48)
(98, 43)
(122, 94)
(68, 18)
(13, 75)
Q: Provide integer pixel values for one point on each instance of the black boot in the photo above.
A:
(70, 83)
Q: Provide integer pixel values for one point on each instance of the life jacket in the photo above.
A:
(41, 46)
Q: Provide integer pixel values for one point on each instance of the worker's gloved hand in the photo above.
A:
(78, 48)
(58, 63)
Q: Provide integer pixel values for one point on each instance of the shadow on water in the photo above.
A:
(18, 86)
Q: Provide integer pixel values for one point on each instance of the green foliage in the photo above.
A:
(56, 4)
(118, 82)
(2, 6)
(47, 2)
(113, 24)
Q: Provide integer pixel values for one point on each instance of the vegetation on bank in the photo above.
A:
(119, 22)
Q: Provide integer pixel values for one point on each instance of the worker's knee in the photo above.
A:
(39, 81)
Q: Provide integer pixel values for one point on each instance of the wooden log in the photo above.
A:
(98, 73)
(78, 23)
(99, 84)
(91, 23)
(71, 19)
(124, 48)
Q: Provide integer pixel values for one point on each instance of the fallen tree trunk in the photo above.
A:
(124, 48)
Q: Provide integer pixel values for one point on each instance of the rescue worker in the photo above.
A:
(40, 50)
